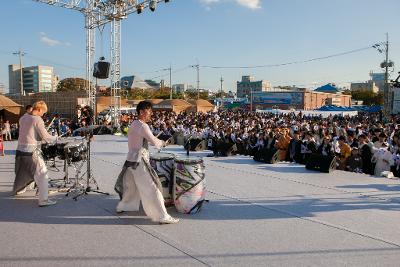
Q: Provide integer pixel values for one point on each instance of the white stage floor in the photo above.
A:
(258, 215)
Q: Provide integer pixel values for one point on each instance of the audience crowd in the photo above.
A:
(361, 143)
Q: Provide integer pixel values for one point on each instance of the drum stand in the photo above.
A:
(85, 189)
(77, 186)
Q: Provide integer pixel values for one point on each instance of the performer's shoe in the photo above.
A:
(169, 220)
(20, 192)
(31, 186)
(47, 202)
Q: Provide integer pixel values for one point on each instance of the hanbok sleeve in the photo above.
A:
(146, 133)
(41, 129)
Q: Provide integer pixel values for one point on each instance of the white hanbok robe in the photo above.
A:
(383, 160)
(138, 183)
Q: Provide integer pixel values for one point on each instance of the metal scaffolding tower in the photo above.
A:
(98, 13)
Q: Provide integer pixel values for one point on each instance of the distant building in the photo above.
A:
(179, 88)
(153, 84)
(303, 100)
(379, 79)
(134, 82)
(36, 79)
(14, 79)
(56, 81)
(2, 89)
(366, 86)
(248, 85)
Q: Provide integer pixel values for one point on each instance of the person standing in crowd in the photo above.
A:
(351, 140)
(383, 159)
(282, 144)
(354, 162)
(345, 152)
(137, 181)
(366, 154)
(7, 130)
(325, 149)
(294, 149)
(28, 109)
(381, 139)
(1, 145)
(29, 164)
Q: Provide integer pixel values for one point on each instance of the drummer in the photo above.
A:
(137, 180)
(29, 164)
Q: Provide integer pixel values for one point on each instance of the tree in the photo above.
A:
(193, 95)
(71, 85)
(368, 97)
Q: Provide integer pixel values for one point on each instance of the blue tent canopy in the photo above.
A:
(327, 88)
(369, 109)
(335, 108)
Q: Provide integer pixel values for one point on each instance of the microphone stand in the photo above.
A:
(187, 144)
(89, 175)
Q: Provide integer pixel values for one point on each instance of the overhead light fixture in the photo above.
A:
(153, 5)
(166, 1)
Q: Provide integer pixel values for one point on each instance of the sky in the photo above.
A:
(214, 33)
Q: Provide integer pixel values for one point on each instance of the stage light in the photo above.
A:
(153, 5)
(139, 8)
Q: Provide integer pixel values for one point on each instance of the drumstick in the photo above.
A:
(48, 127)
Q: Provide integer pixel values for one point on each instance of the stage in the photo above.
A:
(258, 215)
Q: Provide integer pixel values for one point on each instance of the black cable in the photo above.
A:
(289, 63)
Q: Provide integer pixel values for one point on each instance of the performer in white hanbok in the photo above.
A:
(29, 164)
(383, 159)
(137, 180)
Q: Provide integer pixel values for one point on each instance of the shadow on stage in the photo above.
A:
(100, 210)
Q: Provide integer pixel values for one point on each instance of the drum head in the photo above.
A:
(188, 159)
(73, 144)
(162, 156)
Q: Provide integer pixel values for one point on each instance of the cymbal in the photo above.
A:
(87, 128)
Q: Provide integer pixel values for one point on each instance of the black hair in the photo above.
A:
(142, 106)
(28, 107)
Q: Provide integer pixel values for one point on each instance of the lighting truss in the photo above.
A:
(98, 13)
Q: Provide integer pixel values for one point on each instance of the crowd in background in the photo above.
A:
(361, 143)
(56, 124)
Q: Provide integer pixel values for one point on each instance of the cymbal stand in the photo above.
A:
(89, 175)
(78, 186)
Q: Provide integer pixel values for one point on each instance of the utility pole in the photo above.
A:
(221, 80)
(386, 93)
(170, 81)
(197, 66)
(251, 99)
(21, 53)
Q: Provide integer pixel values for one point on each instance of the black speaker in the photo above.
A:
(101, 69)
(317, 162)
(265, 155)
(272, 156)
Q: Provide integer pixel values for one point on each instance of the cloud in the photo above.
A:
(51, 42)
(252, 4)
